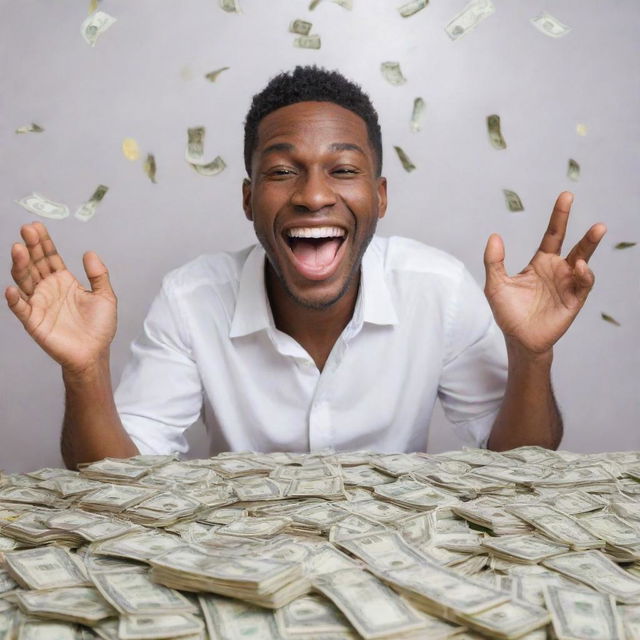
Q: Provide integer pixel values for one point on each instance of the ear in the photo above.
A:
(246, 199)
(382, 197)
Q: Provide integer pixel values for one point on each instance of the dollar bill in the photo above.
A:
(151, 627)
(417, 115)
(150, 167)
(311, 614)
(469, 18)
(495, 132)
(512, 200)
(130, 149)
(213, 168)
(74, 604)
(226, 619)
(44, 568)
(88, 209)
(625, 245)
(212, 76)
(311, 41)
(410, 8)
(610, 319)
(30, 128)
(573, 170)
(392, 73)
(345, 4)
(581, 129)
(582, 614)
(371, 606)
(230, 6)
(407, 165)
(301, 27)
(549, 25)
(42, 206)
(95, 25)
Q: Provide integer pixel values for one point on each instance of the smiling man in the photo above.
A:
(323, 334)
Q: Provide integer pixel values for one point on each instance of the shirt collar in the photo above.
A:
(253, 311)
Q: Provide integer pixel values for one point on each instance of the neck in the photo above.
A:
(317, 330)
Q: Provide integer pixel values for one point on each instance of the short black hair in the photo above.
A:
(310, 84)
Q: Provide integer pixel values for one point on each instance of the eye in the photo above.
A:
(345, 171)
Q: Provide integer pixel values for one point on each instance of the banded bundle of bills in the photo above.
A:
(528, 543)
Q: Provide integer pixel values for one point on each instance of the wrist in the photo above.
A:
(519, 354)
(92, 372)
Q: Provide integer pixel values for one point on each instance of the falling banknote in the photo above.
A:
(610, 319)
(150, 167)
(573, 170)
(230, 6)
(469, 18)
(392, 73)
(130, 149)
(513, 200)
(30, 128)
(308, 42)
(549, 25)
(95, 25)
(212, 76)
(194, 154)
(345, 4)
(88, 209)
(301, 27)
(41, 206)
(404, 159)
(417, 114)
(407, 10)
(495, 133)
(625, 245)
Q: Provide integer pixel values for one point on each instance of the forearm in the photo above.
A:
(529, 414)
(92, 429)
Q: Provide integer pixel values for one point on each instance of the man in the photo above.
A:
(322, 335)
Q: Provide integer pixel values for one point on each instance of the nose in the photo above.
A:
(313, 191)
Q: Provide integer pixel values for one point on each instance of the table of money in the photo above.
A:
(528, 543)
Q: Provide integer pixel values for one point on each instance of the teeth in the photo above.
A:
(316, 232)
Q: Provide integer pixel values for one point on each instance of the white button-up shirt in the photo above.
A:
(421, 329)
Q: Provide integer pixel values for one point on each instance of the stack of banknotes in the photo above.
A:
(528, 543)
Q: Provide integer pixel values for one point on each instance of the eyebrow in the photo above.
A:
(336, 146)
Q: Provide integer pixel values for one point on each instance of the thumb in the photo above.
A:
(494, 258)
(97, 273)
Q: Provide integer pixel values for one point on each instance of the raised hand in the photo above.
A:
(74, 325)
(536, 306)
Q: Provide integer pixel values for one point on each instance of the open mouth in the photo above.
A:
(316, 250)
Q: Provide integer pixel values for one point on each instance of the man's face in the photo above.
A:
(314, 198)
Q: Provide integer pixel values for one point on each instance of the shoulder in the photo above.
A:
(213, 270)
(411, 257)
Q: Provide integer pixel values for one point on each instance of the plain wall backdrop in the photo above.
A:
(145, 79)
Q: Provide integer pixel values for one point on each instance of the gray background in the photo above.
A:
(145, 79)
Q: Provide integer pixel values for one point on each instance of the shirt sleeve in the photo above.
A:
(474, 372)
(160, 392)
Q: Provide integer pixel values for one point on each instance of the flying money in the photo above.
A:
(625, 245)
(607, 318)
(469, 18)
(345, 4)
(194, 154)
(308, 42)
(88, 209)
(150, 167)
(213, 168)
(93, 6)
(95, 25)
(30, 128)
(513, 200)
(230, 6)
(573, 170)
(549, 25)
(212, 76)
(417, 115)
(581, 129)
(409, 9)
(404, 159)
(130, 149)
(301, 27)
(41, 206)
(495, 133)
(392, 73)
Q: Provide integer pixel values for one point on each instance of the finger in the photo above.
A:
(554, 235)
(587, 245)
(56, 263)
(494, 259)
(24, 274)
(32, 239)
(96, 272)
(19, 307)
(584, 279)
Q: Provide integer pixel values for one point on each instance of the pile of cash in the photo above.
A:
(528, 543)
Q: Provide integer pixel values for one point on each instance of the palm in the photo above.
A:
(536, 306)
(69, 322)
(72, 324)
